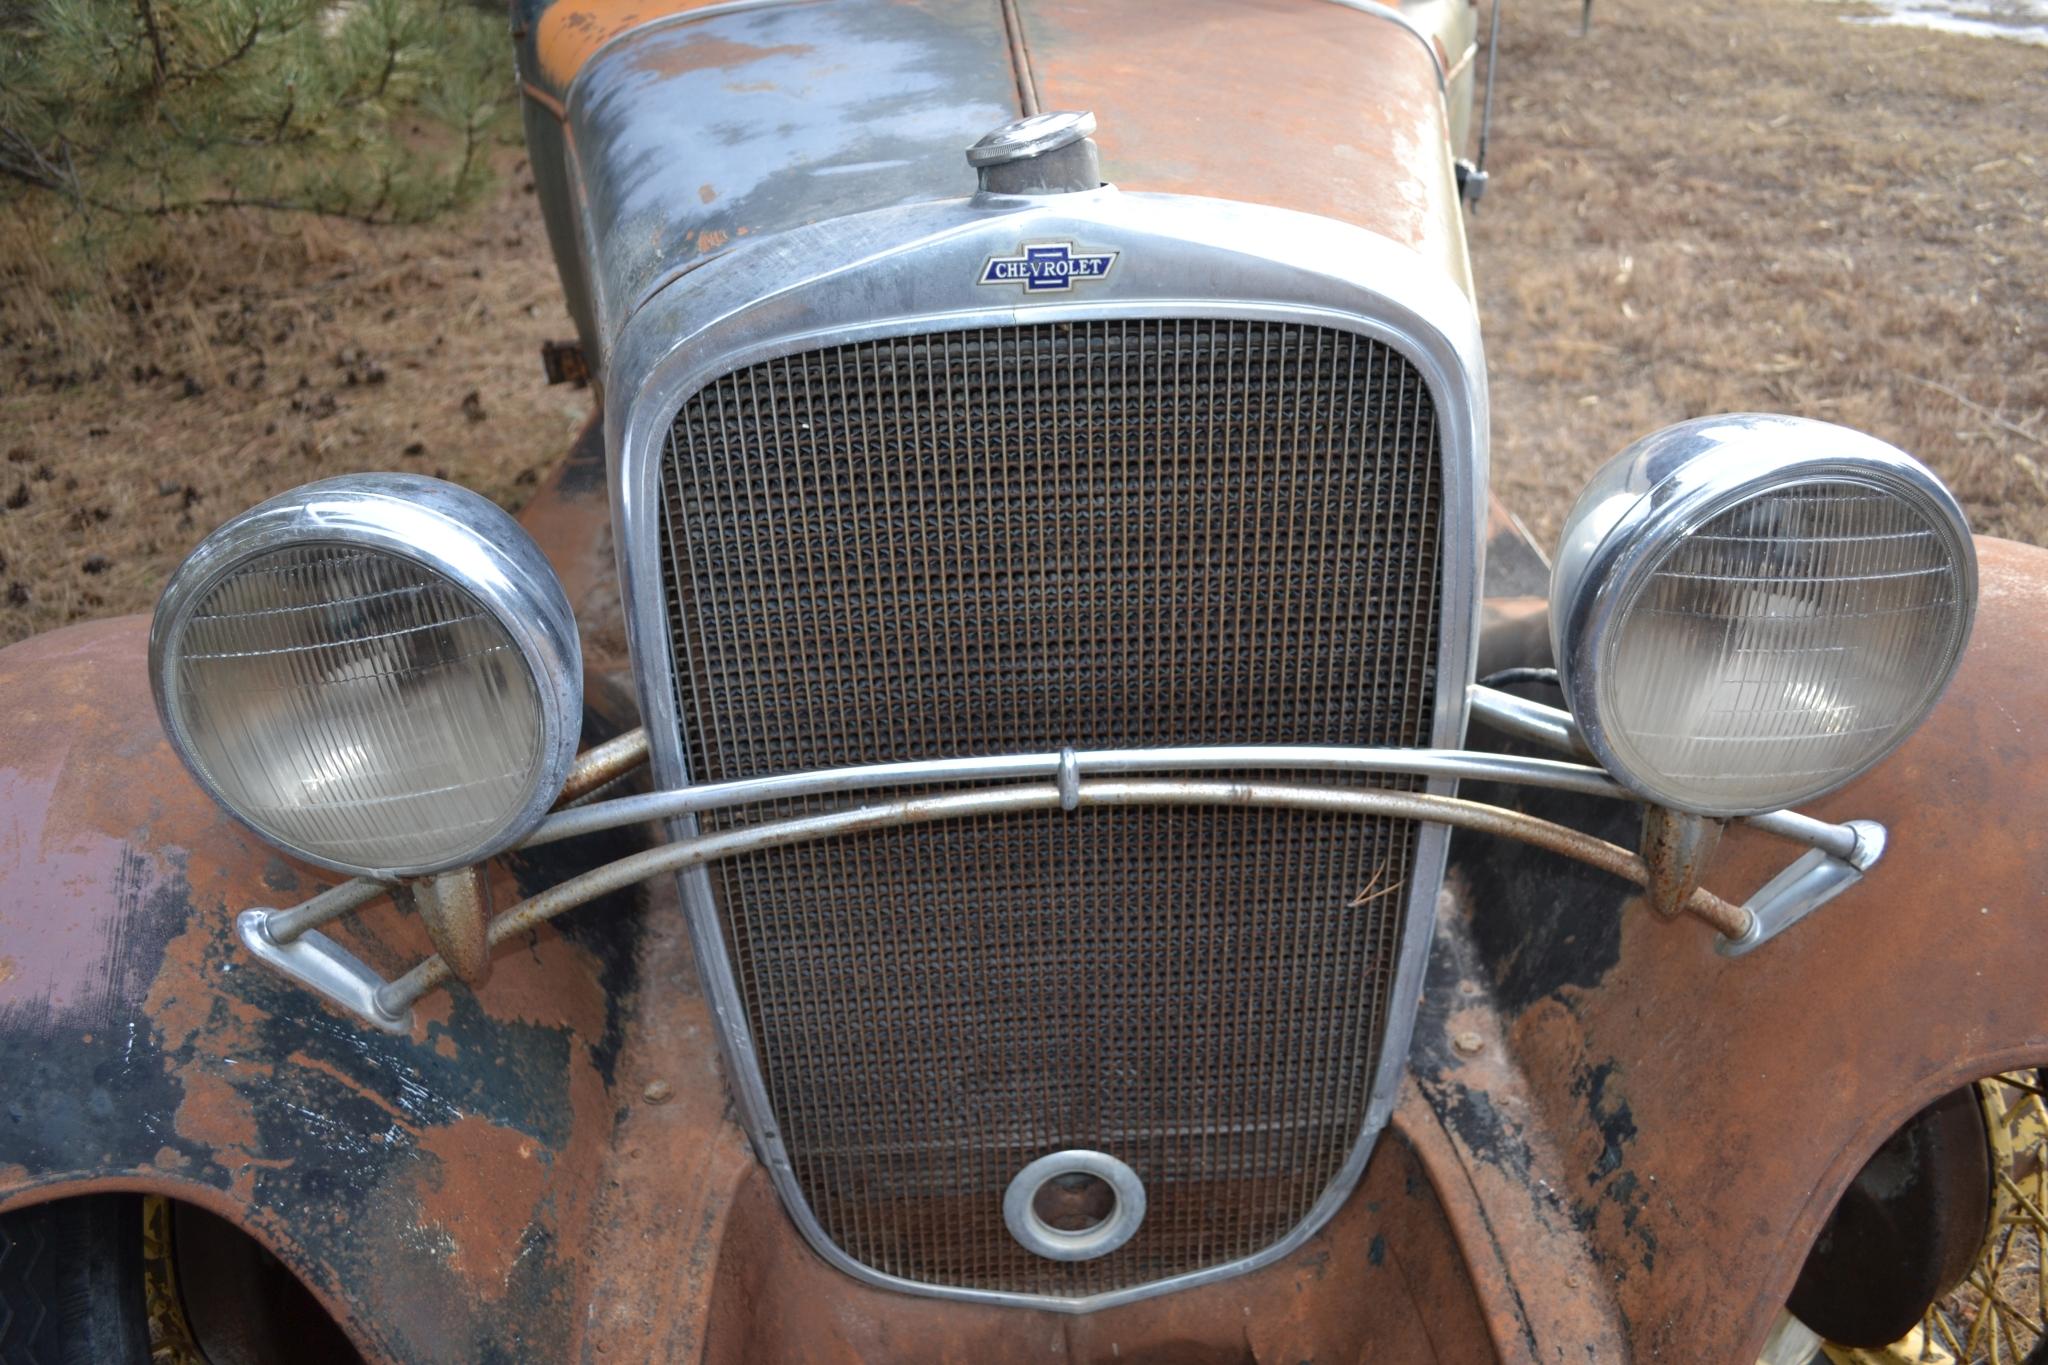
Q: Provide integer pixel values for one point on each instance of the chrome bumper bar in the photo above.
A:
(290, 941)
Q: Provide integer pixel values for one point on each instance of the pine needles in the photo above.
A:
(129, 111)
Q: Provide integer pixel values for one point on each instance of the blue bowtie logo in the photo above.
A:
(1052, 267)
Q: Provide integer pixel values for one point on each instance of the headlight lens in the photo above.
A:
(377, 674)
(1759, 610)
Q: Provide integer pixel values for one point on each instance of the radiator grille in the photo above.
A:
(1114, 533)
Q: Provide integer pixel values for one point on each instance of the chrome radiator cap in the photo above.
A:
(1044, 154)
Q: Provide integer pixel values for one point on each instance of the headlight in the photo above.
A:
(1749, 611)
(379, 674)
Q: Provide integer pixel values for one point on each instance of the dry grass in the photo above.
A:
(1703, 207)
(142, 406)
(1733, 206)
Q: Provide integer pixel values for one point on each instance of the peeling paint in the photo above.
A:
(162, 1058)
(709, 52)
(569, 32)
(483, 1198)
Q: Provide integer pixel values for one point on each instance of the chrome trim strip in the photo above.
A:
(1839, 840)
(1066, 768)
(285, 925)
(1554, 728)
(1453, 764)
(912, 269)
(1020, 60)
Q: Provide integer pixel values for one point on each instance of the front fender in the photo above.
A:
(431, 1190)
(1681, 1124)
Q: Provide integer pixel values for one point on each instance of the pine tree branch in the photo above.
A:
(246, 104)
(284, 115)
(161, 62)
(390, 65)
(469, 131)
(194, 75)
(22, 160)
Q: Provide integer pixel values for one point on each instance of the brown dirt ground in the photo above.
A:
(246, 355)
(1702, 207)
(1712, 207)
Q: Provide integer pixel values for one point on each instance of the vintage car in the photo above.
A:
(1014, 798)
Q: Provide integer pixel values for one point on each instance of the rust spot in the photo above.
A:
(712, 239)
(706, 193)
(570, 32)
(486, 1197)
(707, 52)
(7, 970)
(182, 1005)
(220, 1118)
(215, 1113)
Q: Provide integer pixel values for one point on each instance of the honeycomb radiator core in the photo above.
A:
(1013, 539)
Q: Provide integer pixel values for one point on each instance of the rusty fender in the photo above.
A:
(430, 1190)
(1647, 1133)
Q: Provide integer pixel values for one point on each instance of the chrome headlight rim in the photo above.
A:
(1669, 485)
(449, 531)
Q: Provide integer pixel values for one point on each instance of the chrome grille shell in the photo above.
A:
(910, 271)
(1096, 534)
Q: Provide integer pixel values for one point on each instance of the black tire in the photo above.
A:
(71, 1283)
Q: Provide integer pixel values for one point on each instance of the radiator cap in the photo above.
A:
(1043, 154)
